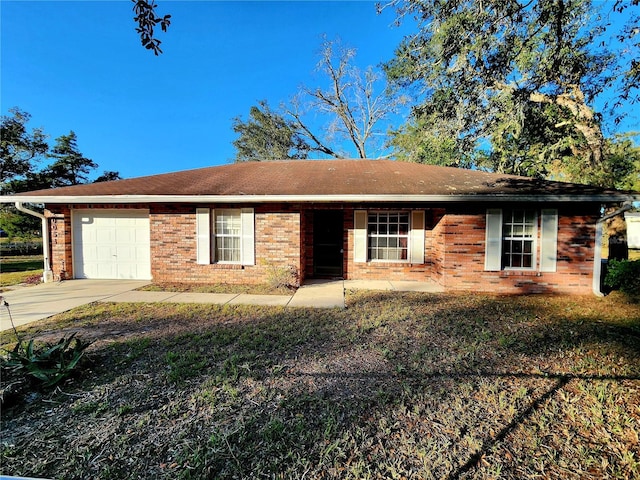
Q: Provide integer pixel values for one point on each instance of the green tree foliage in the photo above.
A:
(22, 150)
(70, 167)
(147, 21)
(267, 135)
(19, 148)
(108, 176)
(506, 85)
(629, 37)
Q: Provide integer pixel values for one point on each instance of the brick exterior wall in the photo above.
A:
(379, 270)
(173, 246)
(61, 258)
(462, 236)
(454, 248)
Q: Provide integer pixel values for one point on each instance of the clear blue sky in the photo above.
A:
(79, 66)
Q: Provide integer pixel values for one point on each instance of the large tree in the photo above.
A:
(340, 117)
(267, 135)
(22, 153)
(19, 148)
(70, 166)
(506, 84)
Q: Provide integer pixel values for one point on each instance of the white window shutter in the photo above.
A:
(248, 237)
(493, 244)
(416, 255)
(203, 236)
(360, 236)
(549, 240)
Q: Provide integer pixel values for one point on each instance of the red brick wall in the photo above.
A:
(173, 246)
(435, 248)
(463, 238)
(61, 258)
(454, 248)
(391, 270)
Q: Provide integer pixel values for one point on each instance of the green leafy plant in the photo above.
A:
(624, 275)
(47, 364)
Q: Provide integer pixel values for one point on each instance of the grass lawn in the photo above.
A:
(20, 269)
(258, 289)
(398, 385)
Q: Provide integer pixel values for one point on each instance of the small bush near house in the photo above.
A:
(624, 275)
(279, 277)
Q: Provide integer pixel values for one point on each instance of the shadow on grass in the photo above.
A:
(421, 385)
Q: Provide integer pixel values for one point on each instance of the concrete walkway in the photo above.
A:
(28, 304)
(31, 303)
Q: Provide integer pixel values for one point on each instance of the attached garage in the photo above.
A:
(111, 244)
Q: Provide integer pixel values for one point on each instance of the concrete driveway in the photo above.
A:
(32, 303)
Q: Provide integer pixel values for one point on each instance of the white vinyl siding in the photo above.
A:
(225, 236)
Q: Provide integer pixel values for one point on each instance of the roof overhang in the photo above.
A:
(347, 198)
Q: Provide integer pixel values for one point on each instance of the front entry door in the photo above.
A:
(328, 235)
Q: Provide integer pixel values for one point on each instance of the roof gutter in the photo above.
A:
(48, 275)
(597, 258)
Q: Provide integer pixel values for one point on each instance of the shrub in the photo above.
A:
(46, 364)
(282, 276)
(624, 275)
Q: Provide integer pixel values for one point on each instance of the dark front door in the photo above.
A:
(328, 234)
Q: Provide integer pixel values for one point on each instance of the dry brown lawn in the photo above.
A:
(398, 385)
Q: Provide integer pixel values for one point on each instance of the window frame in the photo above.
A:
(406, 237)
(513, 239)
(219, 237)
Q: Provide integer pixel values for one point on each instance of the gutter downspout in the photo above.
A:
(48, 274)
(597, 260)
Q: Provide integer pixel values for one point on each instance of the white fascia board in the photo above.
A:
(127, 199)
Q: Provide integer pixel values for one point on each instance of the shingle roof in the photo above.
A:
(332, 178)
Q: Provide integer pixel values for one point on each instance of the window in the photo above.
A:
(519, 228)
(521, 239)
(388, 236)
(227, 236)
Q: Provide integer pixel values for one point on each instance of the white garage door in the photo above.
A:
(111, 244)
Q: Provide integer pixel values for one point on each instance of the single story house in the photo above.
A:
(465, 230)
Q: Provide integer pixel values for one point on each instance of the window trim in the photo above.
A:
(545, 247)
(217, 237)
(533, 239)
(398, 236)
(415, 239)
